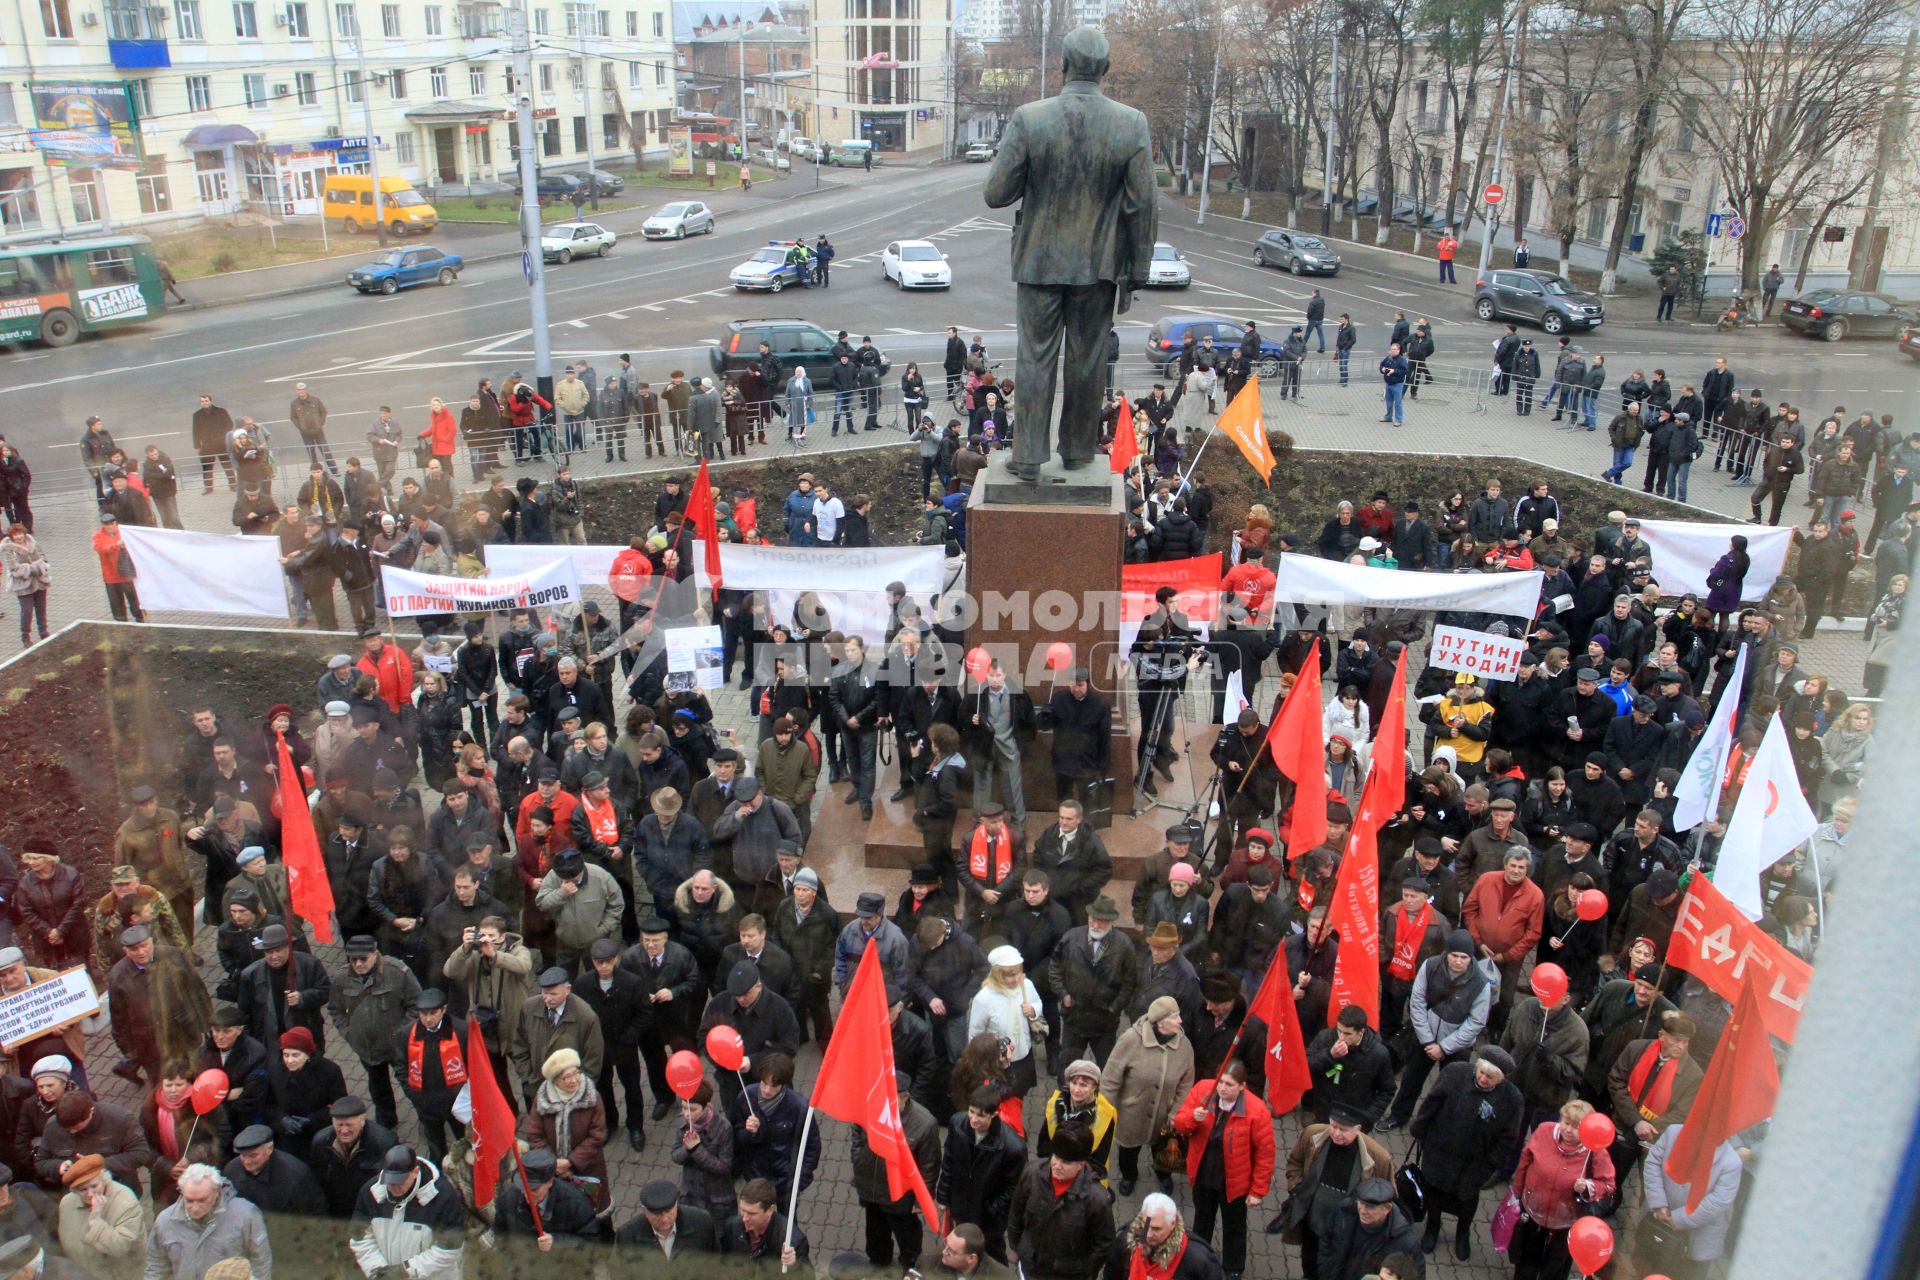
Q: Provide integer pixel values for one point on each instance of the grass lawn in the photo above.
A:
(726, 174)
(213, 250)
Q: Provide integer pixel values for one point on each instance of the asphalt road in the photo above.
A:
(666, 302)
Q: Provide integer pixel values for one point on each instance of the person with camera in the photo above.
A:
(1165, 652)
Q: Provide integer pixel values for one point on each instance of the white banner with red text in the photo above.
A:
(410, 594)
(1475, 652)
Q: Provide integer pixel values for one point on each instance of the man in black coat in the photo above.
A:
(1082, 736)
(955, 363)
(981, 1168)
(1363, 1233)
(1097, 973)
(765, 1022)
(672, 979)
(756, 1236)
(566, 1215)
(1054, 1236)
(276, 1183)
(348, 1154)
(284, 989)
(914, 1056)
(1351, 1067)
(1075, 860)
(433, 1068)
(619, 998)
(663, 1230)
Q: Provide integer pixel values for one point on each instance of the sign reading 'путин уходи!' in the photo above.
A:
(1476, 652)
(46, 1007)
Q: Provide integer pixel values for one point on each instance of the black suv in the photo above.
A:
(1537, 297)
(794, 341)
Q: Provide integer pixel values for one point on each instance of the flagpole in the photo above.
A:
(1204, 442)
(793, 1198)
(527, 1189)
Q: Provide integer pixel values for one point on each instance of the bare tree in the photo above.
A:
(1383, 60)
(1464, 45)
(1642, 38)
(1564, 89)
(1786, 94)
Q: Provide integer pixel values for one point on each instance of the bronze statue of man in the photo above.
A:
(1081, 168)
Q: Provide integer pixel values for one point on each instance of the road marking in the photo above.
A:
(653, 307)
(709, 342)
(575, 324)
(475, 284)
(1391, 293)
(911, 333)
(616, 315)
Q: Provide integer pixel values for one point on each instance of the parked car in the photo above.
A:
(1167, 269)
(1910, 341)
(1166, 336)
(553, 186)
(773, 159)
(794, 341)
(677, 221)
(768, 269)
(1834, 314)
(980, 151)
(916, 264)
(1296, 251)
(397, 269)
(570, 240)
(602, 183)
(802, 147)
(1536, 297)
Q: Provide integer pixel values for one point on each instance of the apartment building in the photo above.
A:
(232, 105)
(755, 49)
(883, 72)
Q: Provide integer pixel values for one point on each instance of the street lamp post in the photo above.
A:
(366, 123)
(583, 15)
(532, 261)
(1333, 120)
(1206, 149)
(1487, 220)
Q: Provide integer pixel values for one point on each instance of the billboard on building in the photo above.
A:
(680, 150)
(85, 122)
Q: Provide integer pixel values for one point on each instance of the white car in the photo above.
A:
(916, 264)
(678, 220)
(773, 159)
(801, 146)
(1168, 270)
(569, 240)
(979, 151)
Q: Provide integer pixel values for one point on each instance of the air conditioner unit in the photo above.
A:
(280, 19)
(89, 19)
(333, 131)
(282, 91)
(158, 13)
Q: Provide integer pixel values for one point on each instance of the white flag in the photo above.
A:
(1697, 795)
(1235, 699)
(1770, 819)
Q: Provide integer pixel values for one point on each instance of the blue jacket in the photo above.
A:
(1393, 370)
(799, 512)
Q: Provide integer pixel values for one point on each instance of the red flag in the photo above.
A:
(1741, 1083)
(1287, 1076)
(1355, 910)
(706, 524)
(856, 1082)
(1297, 739)
(1716, 943)
(300, 852)
(1390, 745)
(1126, 445)
(492, 1127)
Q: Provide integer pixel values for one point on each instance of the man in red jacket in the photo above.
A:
(392, 668)
(1505, 913)
(1230, 1155)
(116, 570)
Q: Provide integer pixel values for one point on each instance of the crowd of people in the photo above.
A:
(535, 831)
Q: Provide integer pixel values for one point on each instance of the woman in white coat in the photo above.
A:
(1008, 1005)
(1703, 1231)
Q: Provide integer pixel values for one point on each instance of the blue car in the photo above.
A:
(396, 269)
(1167, 335)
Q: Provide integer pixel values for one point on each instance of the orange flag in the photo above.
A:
(1287, 1076)
(1297, 739)
(1741, 1083)
(856, 1082)
(300, 852)
(1244, 425)
(1126, 445)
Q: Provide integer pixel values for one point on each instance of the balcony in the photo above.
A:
(134, 42)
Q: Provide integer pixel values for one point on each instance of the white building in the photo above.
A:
(883, 72)
(249, 104)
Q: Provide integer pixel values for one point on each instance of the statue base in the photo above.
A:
(1089, 486)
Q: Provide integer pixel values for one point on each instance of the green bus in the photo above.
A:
(55, 291)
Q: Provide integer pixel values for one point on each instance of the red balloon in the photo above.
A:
(684, 1073)
(1590, 1244)
(726, 1048)
(209, 1090)
(1596, 1132)
(1550, 984)
(977, 662)
(1592, 905)
(1059, 656)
